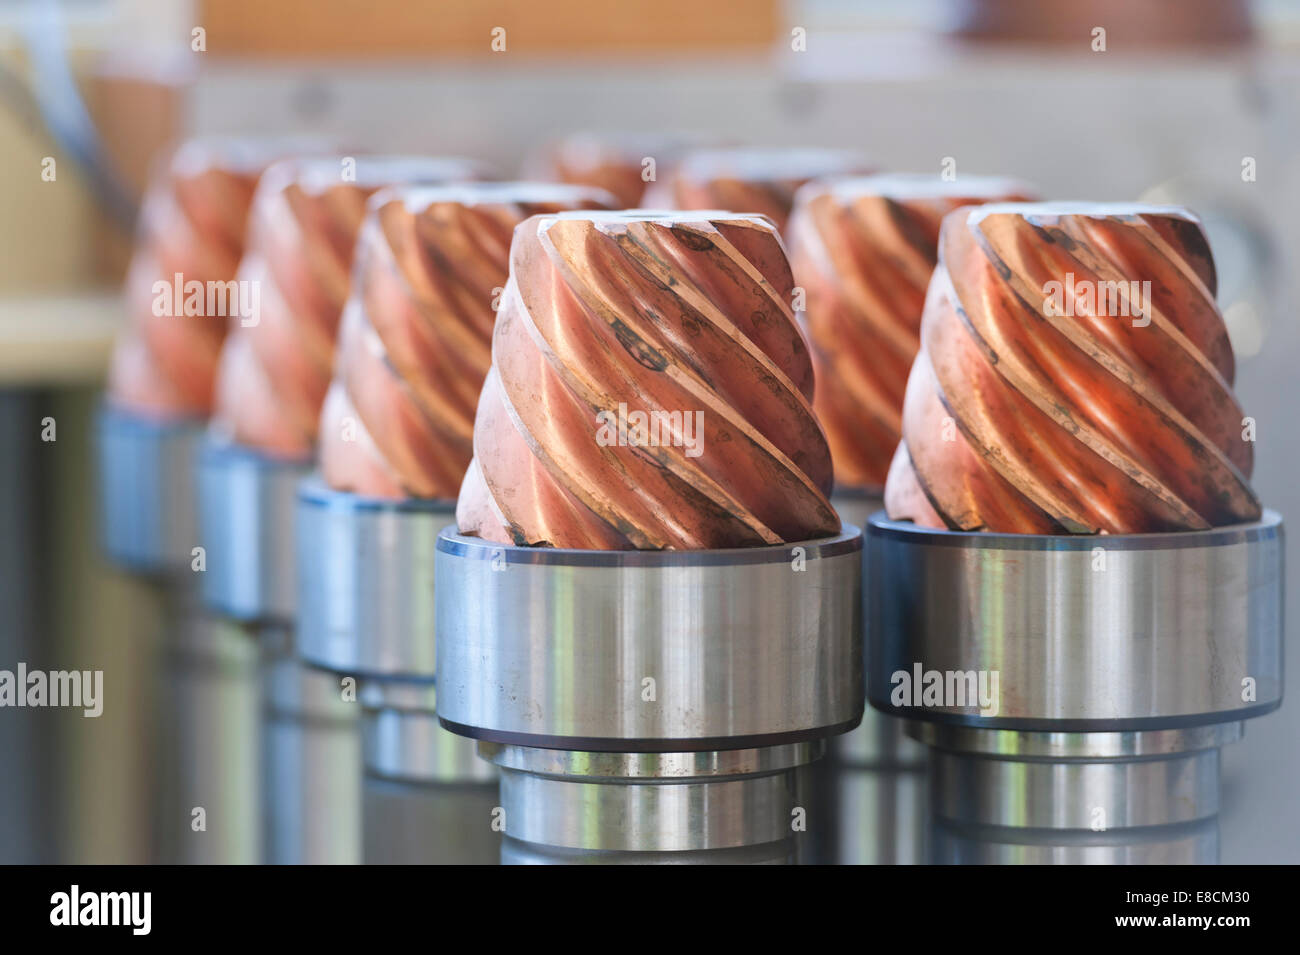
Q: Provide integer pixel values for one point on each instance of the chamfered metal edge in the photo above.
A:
(1268, 527)
(847, 541)
(641, 745)
(1036, 725)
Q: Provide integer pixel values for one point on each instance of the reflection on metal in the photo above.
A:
(1192, 843)
(211, 773)
(871, 789)
(311, 752)
(146, 489)
(1120, 675)
(877, 781)
(650, 705)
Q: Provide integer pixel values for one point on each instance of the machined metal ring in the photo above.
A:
(146, 489)
(649, 651)
(366, 581)
(246, 524)
(642, 812)
(1083, 634)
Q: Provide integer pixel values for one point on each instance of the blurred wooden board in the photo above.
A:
(464, 27)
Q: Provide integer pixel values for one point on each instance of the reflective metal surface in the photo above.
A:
(661, 803)
(649, 651)
(1194, 843)
(365, 580)
(1076, 791)
(1123, 662)
(876, 795)
(517, 852)
(871, 790)
(311, 752)
(247, 502)
(146, 482)
(412, 746)
(1120, 632)
(365, 583)
(210, 755)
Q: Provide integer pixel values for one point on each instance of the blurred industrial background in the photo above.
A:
(1191, 101)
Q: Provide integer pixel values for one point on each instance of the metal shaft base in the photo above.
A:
(570, 807)
(311, 756)
(1139, 797)
(650, 706)
(1075, 692)
(310, 734)
(366, 589)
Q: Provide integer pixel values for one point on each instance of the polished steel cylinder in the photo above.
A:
(650, 705)
(311, 753)
(366, 611)
(719, 807)
(1071, 687)
(1122, 632)
(246, 512)
(211, 771)
(310, 722)
(147, 498)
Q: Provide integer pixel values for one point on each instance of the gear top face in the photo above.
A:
(1075, 376)
(863, 249)
(649, 389)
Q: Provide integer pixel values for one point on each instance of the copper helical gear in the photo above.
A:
(610, 314)
(749, 180)
(863, 249)
(192, 224)
(1118, 418)
(416, 337)
(306, 215)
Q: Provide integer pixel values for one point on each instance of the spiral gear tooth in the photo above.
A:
(274, 373)
(416, 334)
(863, 250)
(192, 223)
(1051, 394)
(685, 317)
(748, 180)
